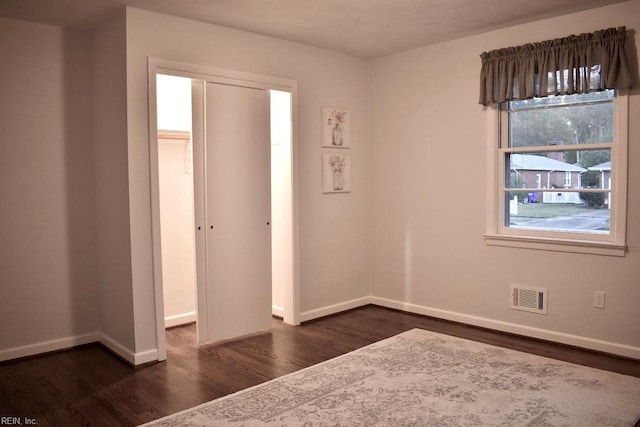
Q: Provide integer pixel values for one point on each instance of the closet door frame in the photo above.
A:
(229, 77)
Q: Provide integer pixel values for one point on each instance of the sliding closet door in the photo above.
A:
(238, 208)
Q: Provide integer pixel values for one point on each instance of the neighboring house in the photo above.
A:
(543, 172)
(605, 173)
(605, 178)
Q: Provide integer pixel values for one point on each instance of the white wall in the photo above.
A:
(334, 229)
(177, 230)
(112, 187)
(281, 200)
(175, 172)
(47, 244)
(429, 199)
(80, 254)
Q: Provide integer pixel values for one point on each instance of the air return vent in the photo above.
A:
(528, 298)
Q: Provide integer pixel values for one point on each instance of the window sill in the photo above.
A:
(557, 245)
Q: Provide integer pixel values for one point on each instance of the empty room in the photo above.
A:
(298, 212)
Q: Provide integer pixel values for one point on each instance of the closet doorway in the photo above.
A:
(217, 233)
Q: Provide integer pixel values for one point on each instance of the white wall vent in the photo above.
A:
(529, 298)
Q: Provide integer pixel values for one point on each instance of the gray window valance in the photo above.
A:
(575, 64)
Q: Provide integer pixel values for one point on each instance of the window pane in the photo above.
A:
(558, 211)
(554, 178)
(554, 121)
(559, 169)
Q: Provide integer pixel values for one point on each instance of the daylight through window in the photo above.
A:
(558, 143)
(557, 163)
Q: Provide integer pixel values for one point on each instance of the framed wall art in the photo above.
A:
(336, 124)
(336, 173)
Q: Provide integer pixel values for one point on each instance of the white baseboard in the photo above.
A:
(179, 319)
(335, 308)
(74, 341)
(47, 346)
(152, 355)
(148, 356)
(127, 354)
(545, 334)
(277, 311)
(119, 349)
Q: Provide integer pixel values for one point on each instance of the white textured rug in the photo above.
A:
(421, 378)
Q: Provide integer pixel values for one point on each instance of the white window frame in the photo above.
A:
(612, 244)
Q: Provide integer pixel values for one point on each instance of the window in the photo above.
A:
(559, 173)
(557, 160)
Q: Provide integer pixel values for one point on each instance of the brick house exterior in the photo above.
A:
(544, 172)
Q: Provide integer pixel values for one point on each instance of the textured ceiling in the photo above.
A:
(366, 28)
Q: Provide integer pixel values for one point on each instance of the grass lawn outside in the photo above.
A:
(550, 210)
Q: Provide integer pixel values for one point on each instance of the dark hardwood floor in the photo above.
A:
(90, 386)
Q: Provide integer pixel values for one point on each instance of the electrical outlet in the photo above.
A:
(598, 299)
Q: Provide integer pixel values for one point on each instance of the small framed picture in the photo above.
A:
(336, 173)
(336, 124)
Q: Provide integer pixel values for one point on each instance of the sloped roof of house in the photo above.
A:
(540, 163)
(606, 166)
